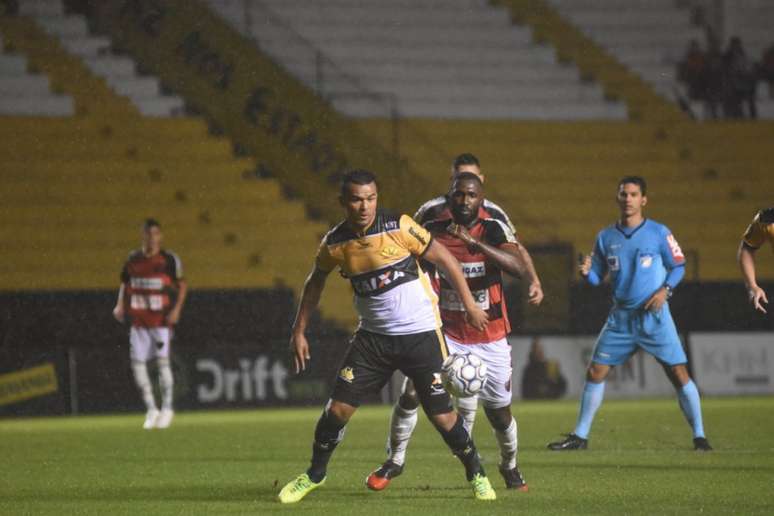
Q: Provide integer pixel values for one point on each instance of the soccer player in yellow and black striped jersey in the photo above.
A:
(760, 231)
(399, 326)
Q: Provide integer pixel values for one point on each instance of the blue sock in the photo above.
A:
(591, 399)
(690, 404)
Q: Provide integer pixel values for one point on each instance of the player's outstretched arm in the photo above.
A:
(510, 256)
(439, 256)
(118, 311)
(310, 298)
(746, 258)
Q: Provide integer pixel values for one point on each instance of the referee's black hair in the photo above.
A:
(358, 176)
(468, 176)
(634, 180)
(150, 222)
(465, 159)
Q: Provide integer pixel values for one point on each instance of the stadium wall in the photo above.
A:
(62, 352)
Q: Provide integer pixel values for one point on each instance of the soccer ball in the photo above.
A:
(463, 374)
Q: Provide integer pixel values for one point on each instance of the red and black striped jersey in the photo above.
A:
(484, 279)
(149, 283)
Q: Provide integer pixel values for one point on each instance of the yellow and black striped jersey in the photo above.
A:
(760, 230)
(393, 296)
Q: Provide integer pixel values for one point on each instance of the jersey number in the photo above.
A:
(153, 302)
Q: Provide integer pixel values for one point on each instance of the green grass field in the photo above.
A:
(640, 461)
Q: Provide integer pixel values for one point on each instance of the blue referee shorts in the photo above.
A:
(626, 330)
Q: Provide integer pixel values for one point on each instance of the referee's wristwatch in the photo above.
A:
(668, 291)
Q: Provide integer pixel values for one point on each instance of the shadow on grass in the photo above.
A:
(208, 493)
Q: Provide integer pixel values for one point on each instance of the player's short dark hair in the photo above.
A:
(468, 176)
(150, 222)
(634, 180)
(358, 176)
(465, 158)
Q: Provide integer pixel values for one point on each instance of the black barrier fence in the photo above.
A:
(230, 351)
(63, 353)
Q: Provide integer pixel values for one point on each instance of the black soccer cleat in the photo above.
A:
(379, 479)
(571, 442)
(513, 479)
(701, 444)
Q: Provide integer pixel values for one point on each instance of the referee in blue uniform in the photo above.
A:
(644, 263)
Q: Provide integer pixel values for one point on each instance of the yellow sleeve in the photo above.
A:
(325, 260)
(412, 236)
(756, 234)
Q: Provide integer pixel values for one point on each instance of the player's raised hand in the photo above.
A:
(657, 300)
(477, 318)
(584, 265)
(299, 349)
(535, 293)
(758, 298)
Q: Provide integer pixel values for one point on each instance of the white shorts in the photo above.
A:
(497, 357)
(148, 343)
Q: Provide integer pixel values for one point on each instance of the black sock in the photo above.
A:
(327, 435)
(461, 445)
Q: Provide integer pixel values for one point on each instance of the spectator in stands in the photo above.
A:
(542, 378)
(692, 71)
(714, 75)
(739, 82)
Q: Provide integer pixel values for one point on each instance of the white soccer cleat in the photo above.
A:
(150, 419)
(165, 418)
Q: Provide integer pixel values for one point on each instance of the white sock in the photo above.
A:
(402, 423)
(508, 441)
(141, 378)
(166, 383)
(467, 407)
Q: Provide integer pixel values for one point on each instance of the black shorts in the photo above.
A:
(372, 358)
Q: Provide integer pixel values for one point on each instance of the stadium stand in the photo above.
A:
(553, 178)
(460, 59)
(706, 181)
(120, 72)
(24, 93)
(74, 191)
(650, 36)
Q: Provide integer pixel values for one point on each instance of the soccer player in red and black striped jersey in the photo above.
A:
(152, 295)
(404, 415)
(485, 247)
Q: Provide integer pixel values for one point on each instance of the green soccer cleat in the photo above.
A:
(482, 488)
(298, 488)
